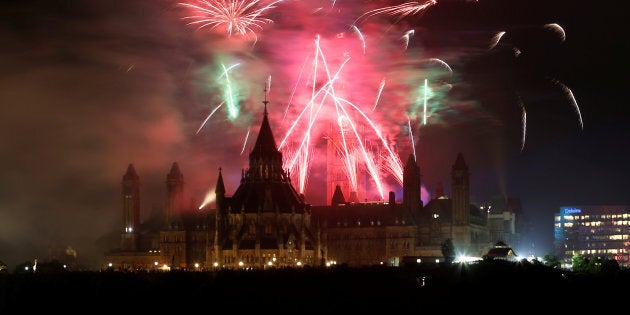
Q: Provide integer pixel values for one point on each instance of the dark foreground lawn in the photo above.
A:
(486, 287)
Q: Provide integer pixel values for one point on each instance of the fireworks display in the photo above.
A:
(241, 17)
(333, 60)
(524, 89)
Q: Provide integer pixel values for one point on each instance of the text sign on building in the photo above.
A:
(571, 210)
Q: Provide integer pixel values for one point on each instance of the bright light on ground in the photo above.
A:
(467, 259)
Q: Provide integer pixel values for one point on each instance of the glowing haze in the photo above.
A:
(93, 86)
(334, 63)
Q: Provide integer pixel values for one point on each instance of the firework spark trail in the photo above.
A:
(558, 29)
(300, 156)
(344, 119)
(523, 123)
(411, 139)
(401, 10)
(305, 143)
(231, 105)
(442, 63)
(368, 159)
(245, 142)
(407, 37)
(392, 158)
(424, 110)
(349, 161)
(297, 82)
(392, 165)
(378, 95)
(571, 98)
(496, 39)
(207, 118)
(356, 29)
(268, 85)
(236, 16)
(319, 95)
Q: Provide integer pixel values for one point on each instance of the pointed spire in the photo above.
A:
(220, 189)
(265, 143)
(460, 163)
(337, 198)
(266, 101)
(175, 173)
(412, 198)
(411, 162)
(131, 173)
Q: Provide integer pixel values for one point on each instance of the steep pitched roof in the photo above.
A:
(175, 173)
(220, 189)
(460, 164)
(131, 173)
(265, 186)
(265, 143)
(411, 163)
(338, 198)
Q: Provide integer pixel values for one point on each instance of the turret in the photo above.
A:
(131, 199)
(460, 191)
(411, 185)
(175, 194)
(131, 208)
(337, 198)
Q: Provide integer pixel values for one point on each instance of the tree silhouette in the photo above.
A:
(448, 250)
(552, 260)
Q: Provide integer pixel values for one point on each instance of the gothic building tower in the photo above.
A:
(175, 196)
(265, 223)
(131, 208)
(461, 191)
(411, 185)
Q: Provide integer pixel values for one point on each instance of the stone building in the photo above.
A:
(266, 223)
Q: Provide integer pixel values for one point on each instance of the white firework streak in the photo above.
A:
(210, 115)
(571, 98)
(523, 123)
(496, 39)
(558, 29)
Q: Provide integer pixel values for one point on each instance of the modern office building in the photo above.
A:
(593, 231)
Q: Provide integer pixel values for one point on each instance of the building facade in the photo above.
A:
(266, 223)
(593, 231)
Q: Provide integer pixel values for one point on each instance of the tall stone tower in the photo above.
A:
(131, 208)
(411, 185)
(175, 195)
(461, 191)
(461, 228)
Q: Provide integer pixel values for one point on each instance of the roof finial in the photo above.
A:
(267, 88)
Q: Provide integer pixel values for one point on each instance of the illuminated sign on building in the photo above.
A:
(571, 210)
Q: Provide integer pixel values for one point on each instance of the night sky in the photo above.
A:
(88, 87)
